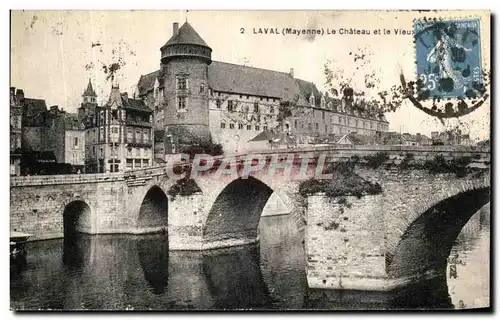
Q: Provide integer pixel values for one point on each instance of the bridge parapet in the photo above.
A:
(65, 179)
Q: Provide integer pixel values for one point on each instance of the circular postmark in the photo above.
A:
(450, 80)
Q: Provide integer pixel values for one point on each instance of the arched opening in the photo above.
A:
(76, 219)
(154, 210)
(235, 215)
(425, 247)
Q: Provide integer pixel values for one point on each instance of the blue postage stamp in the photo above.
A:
(448, 57)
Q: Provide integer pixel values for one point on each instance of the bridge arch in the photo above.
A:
(425, 245)
(236, 212)
(76, 218)
(153, 211)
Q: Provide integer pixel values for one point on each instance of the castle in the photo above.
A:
(194, 98)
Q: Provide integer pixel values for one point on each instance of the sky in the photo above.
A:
(54, 53)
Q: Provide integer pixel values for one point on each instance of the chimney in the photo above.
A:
(125, 96)
(175, 29)
(20, 95)
(54, 108)
(291, 72)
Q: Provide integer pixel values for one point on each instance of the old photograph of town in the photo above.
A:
(238, 160)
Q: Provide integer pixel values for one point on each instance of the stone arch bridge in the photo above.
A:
(374, 242)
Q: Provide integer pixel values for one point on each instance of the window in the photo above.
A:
(249, 127)
(137, 163)
(357, 123)
(181, 102)
(240, 126)
(247, 97)
(257, 128)
(231, 125)
(75, 142)
(218, 103)
(309, 126)
(202, 88)
(271, 109)
(317, 126)
(222, 125)
(256, 107)
(115, 130)
(295, 123)
(129, 152)
(93, 151)
(102, 152)
(145, 136)
(130, 163)
(145, 163)
(265, 128)
(230, 105)
(241, 96)
(326, 128)
(181, 84)
(323, 115)
(130, 135)
(302, 125)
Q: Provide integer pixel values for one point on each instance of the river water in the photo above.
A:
(138, 272)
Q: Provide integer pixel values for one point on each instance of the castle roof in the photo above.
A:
(89, 91)
(186, 35)
(239, 79)
(232, 78)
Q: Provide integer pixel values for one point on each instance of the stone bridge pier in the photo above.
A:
(383, 242)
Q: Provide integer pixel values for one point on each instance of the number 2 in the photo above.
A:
(242, 30)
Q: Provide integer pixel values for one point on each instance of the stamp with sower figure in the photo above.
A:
(448, 58)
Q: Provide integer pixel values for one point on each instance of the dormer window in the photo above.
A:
(323, 102)
(311, 100)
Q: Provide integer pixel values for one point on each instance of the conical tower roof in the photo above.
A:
(89, 92)
(186, 35)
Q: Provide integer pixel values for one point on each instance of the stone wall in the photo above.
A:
(345, 247)
(185, 222)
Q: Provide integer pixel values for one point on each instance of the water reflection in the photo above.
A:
(153, 257)
(138, 272)
(234, 279)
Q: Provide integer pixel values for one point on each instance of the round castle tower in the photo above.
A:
(184, 77)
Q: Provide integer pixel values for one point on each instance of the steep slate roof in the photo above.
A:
(186, 35)
(264, 136)
(233, 78)
(135, 104)
(358, 139)
(146, 82)
(89, 91)
(34, 112)
(71, 121)
(306, 88)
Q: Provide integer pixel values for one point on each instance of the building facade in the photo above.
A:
(118, 135)
(16, 120)
(194, 97)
